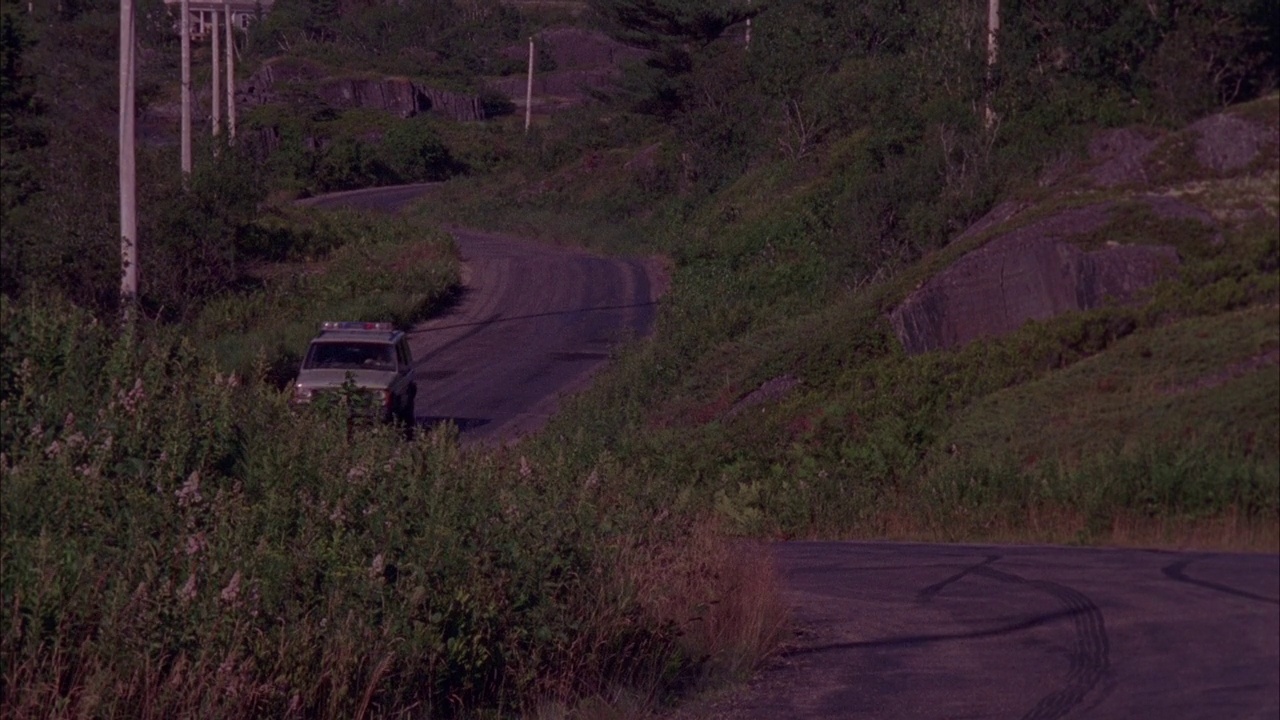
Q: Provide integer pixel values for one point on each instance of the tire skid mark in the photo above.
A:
(1091, 656)
(915, 640)
(1178, 572)
(478, 326)
(932, 591)
(1090, 653)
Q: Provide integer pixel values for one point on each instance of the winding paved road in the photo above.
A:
(885, 631)
(532, 323)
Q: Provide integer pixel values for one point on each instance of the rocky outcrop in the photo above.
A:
(1216, 171)
(458, 106)
(1226, 142)
(1223, 143)
(1031, 273)
(394, 95)
(400, 96)
(1121, 157)
(572, 48)
(565, 85)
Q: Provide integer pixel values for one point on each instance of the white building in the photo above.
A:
(243, 13)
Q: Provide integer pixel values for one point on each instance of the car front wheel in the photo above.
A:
(406, 406)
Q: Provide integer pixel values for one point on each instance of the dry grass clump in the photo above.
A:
(723, 596)
(722, 602)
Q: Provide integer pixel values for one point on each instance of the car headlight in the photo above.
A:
(302, 394)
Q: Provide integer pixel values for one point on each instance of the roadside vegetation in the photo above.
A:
(777, 393)
(178, 542)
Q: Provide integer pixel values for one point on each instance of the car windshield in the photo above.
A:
(350, 356)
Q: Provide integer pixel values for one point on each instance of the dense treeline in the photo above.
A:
(58, 216)
(452, 40)
(901, 92)
(60, 191)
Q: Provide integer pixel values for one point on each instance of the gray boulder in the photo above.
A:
(1031, 273)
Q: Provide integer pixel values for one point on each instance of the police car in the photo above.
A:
(373, 356)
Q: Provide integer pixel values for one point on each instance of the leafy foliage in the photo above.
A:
(329, 150)
(21, 137)
(170, 532)
(444, 39)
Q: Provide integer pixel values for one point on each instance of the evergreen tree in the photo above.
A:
(21, 136)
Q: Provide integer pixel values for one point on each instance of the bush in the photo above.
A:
(182, 537)
(414, 152)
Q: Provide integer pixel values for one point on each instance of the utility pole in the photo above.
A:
(231, 77)
(993, 29)
(217, 99)
(528, 92)
(186, 87)
(128, 167)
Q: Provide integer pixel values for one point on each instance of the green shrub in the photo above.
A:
(414, 153)
(186, 539)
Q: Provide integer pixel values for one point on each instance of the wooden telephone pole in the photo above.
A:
(128, 167)
(231, 76)
(528, 92)
(217, 96)
(993, 28)
(185, 25)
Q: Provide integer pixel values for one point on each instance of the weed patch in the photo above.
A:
(170, 535)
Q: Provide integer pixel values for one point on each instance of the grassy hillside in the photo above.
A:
(776, 394)
(178, 542)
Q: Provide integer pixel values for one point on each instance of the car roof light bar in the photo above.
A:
(356, 325)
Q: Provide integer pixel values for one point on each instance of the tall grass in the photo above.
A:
(178, 542)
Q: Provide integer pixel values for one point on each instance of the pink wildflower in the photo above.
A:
(189, 493)
(231, 592)
(188, 591)
(131, 399)
(196, 543)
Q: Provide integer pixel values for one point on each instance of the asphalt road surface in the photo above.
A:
(895, 631)
(884, 631)
(532, 324)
